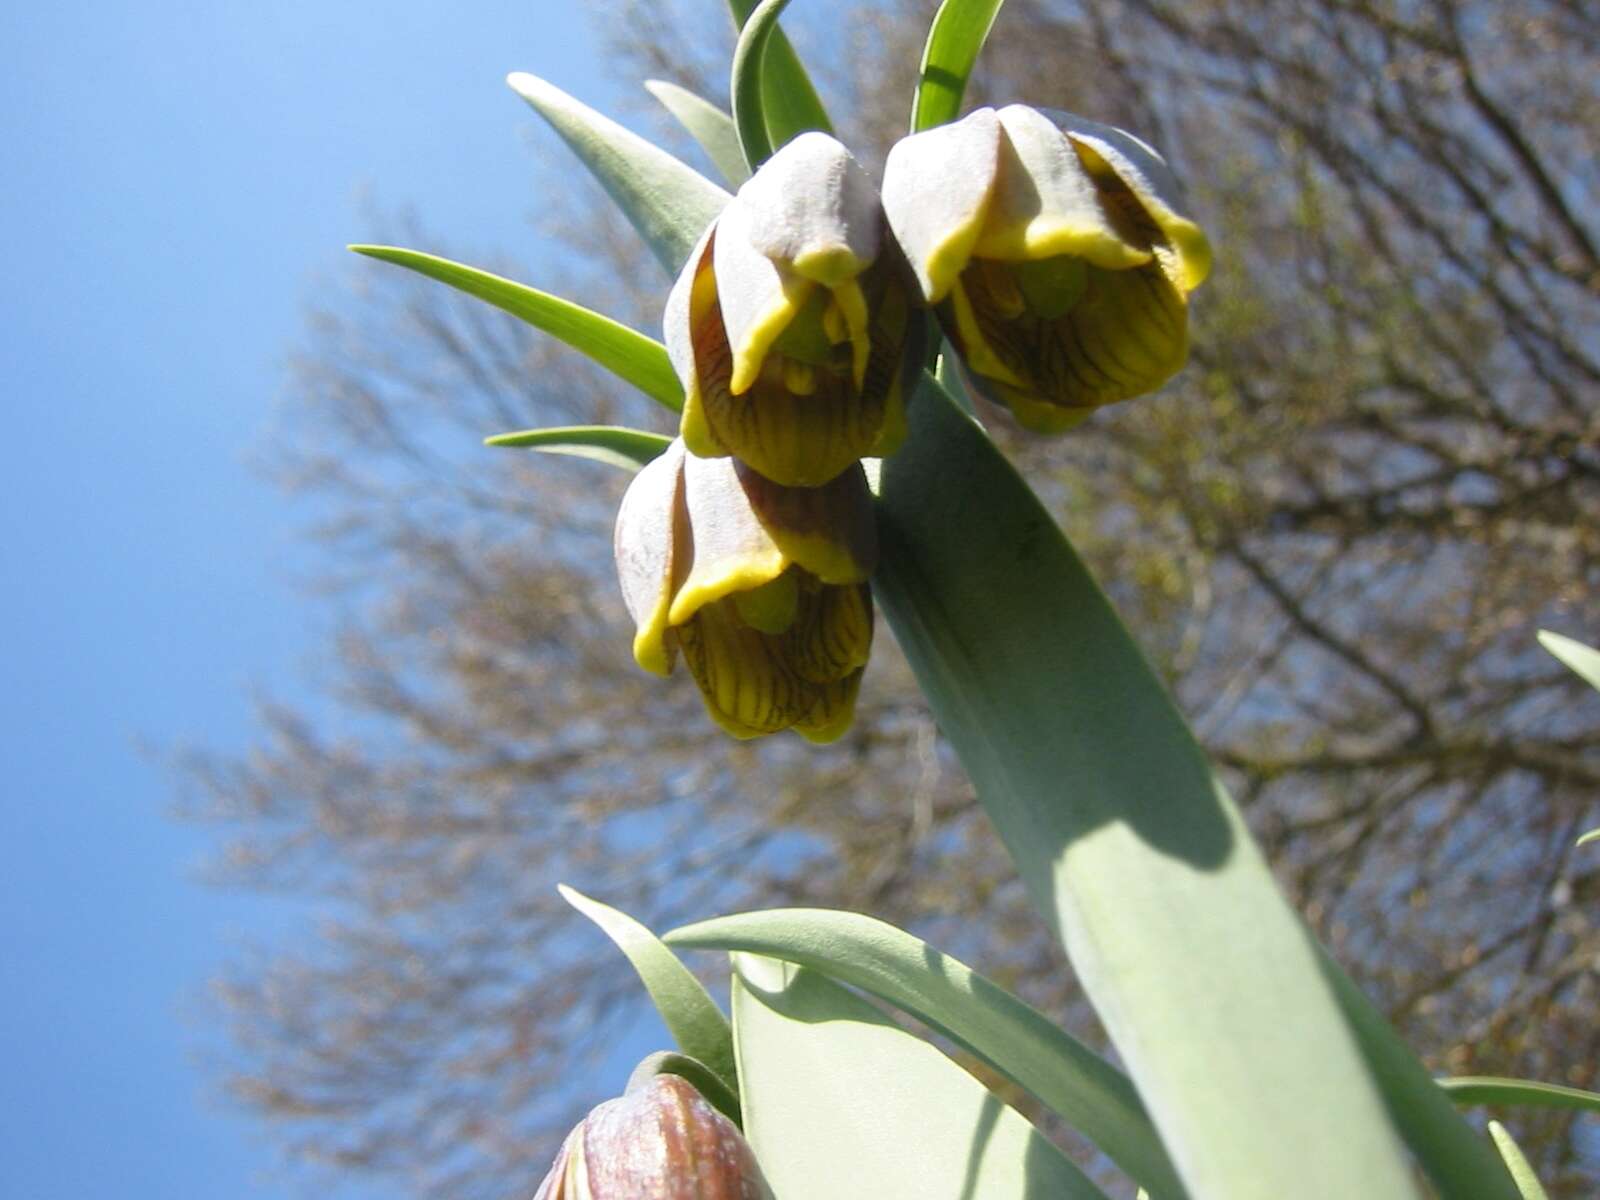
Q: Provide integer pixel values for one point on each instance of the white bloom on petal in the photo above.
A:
(791, 325)
(761, 587)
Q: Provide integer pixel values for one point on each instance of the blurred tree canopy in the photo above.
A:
(1336, 532)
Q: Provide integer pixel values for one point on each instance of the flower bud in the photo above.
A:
(791, 325)
(762, 587)
(660, 1141)
(1054, 251)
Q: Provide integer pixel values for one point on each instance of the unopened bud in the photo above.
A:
(661, 1141)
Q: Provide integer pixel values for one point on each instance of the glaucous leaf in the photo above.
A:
(1206, 981)
(613, 445)
(667, 201)
(789, 102)
(626, 353)
(841, 1102)
(1015, 1039)
(1517, 1163)
(1491, 1089)
(691, 1016)
(1585, 660)
(707, 124)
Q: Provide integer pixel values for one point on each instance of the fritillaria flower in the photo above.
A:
(791, 325)
(660, 1141)
(1055, 252)
(762, 588)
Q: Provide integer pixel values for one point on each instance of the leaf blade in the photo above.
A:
(1012, 1037)
(667, 201)
(1583, 660)
(628, 449)
(955, 38)
(710, 127)
(1207, 983)
(1459, 1161)
(626, 353)
(841, 1102)
(1517, 1163)
(789, 100)
(691, 1016)
(1494, 1089)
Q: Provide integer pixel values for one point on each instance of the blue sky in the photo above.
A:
(178, 178)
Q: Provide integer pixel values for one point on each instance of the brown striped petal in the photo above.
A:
(660, 1141)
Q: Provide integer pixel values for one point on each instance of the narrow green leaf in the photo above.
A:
(1585, 660)
(667, 201)
(1517, 1163)
(626, 353)
(1592, 836)
(747, 90)
(842, 1103)
(703, 1079)
(1207, 983)
(707, 124)
(628, 449)
(1460, 1162)
(1013, 1038)
(788, 99)
(1491, 1089)
(691, 1015)
(959, 30)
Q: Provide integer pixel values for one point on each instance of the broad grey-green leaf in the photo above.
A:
(614, 445)
(667, 201)
(839, 1102)
(691, 1016)
(1517, 1163)
(959, 30)
(707, 124)
(788, 100)
(1585, 660)
(626, 353)
(1206, 981)
(1018, 1041)
(1493, 1089)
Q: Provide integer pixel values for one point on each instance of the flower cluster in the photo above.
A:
(1053, 253)
(747, 546)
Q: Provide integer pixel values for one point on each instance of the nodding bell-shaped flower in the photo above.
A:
(1055, 252)
(762, 587)
(660, 1141)
(791, 325)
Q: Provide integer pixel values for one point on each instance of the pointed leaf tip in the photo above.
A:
(1581, 659)
(629, 449)
(666, 200)
(691, 1016)
(630, 355)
